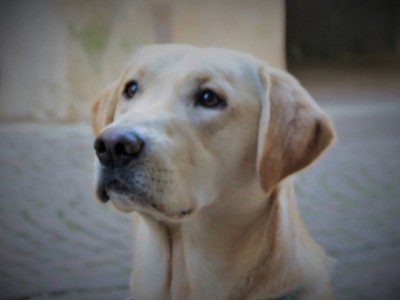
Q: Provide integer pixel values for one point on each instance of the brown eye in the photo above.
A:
(208, 99)
(130, 89)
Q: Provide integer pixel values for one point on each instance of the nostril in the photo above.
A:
(128, 148)
(133, 148)
(100, 146)
(119, 149)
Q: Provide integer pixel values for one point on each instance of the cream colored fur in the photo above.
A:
(245, 238)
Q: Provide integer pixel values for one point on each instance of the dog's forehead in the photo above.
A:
(184, 59)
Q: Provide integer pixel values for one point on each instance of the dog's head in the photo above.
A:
(185, 124)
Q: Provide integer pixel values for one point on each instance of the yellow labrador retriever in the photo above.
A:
(200, 143)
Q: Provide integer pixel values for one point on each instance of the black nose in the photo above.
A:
(118, 146)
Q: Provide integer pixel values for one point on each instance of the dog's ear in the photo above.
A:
(293, 130)
(103, 108)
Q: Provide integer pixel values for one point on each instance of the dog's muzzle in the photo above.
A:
(131, 177)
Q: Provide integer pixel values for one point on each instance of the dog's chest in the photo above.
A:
(150, 273)
(179, 287)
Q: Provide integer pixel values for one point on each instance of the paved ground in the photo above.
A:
(57, 242)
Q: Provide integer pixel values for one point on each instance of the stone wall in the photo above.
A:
(56, 55)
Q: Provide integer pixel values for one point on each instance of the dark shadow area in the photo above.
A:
(344, 29)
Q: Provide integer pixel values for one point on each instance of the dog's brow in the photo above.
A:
(141, 71)
(203, 78)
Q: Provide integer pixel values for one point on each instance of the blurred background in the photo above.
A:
(57, 242)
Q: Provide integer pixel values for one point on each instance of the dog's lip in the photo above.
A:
(102, 191)
(148, 205)
(186, 212)
(179, 214)
(102, 195)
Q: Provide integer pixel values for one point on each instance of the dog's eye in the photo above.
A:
(208, 99)
(130, 89)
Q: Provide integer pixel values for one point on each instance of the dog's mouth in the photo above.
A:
(104, 189)
(128, 199)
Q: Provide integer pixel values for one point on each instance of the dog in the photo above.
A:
(201, 143)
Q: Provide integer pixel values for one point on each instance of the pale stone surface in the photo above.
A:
(56, 56)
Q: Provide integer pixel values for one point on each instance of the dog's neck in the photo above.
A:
(246, 255)
(232, 249)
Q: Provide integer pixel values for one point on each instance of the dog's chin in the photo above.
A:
(167, 217)
(128, 202)
(121, 203)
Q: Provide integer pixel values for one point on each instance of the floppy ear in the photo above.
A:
(293, 130)
(103, 108)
